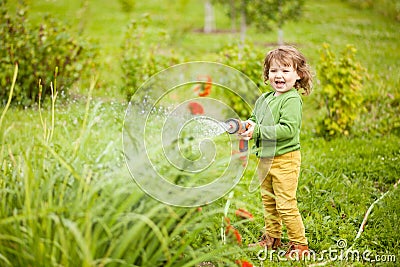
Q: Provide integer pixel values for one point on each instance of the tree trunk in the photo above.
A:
(243, 29)
(280, 23)
(209, 18)
(233, 16)
(280, 36)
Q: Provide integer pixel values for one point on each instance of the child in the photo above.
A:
(287, 72)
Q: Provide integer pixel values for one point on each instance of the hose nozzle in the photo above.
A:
(233, 126)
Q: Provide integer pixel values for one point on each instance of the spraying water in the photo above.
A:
(207, 127)
(174, 156)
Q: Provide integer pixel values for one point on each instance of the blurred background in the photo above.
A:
(66, 196)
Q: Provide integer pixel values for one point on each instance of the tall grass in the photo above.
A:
(66, 198)
(7, 106)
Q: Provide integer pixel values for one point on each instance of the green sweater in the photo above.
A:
(278, 122)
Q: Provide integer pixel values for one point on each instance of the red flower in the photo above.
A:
(243, 263)
(196, 108)
(244, 214)
(204, 89)
(232, 230)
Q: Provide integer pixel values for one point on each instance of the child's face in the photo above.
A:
(282, 78)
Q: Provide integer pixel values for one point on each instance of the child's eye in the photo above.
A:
(272, 70)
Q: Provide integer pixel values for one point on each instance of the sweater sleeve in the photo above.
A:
(253, 114)
(286, 127)
(253, 118)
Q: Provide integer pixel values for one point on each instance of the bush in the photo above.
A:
(251, 65)
(341, 82)
(38, 50)
(141, 60)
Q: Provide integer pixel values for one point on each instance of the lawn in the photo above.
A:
(67, 197)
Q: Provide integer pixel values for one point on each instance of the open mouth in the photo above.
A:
(279, 83)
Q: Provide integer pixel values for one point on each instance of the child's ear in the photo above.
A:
(298, 76)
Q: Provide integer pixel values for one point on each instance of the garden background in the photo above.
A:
(66, 195)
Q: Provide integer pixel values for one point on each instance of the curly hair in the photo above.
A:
(290, 56)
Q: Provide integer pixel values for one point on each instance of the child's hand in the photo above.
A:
(249, 132)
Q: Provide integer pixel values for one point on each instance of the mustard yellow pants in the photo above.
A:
(279, 178)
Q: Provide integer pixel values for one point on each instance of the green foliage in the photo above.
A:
(270, 13)
(38, 50)
(341, 82)
(127, 6)
(380, 226)
(140, 60)
(248, 60)
(361, 3)
(388, 8)
(381, 113)
(265, 14)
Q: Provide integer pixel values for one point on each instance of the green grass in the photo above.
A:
(70, 201)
